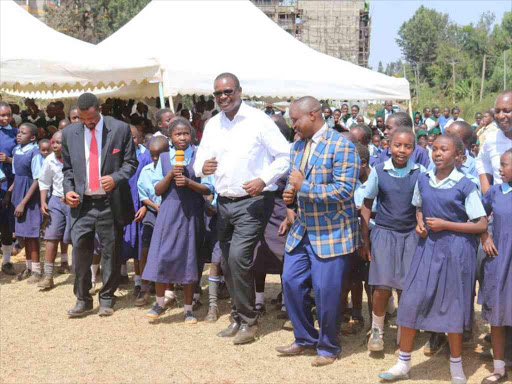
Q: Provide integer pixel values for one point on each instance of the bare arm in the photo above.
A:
(475, 227)
(485, 182)
(20, 209)
(150, 204)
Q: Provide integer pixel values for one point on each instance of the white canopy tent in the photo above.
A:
(194, 41)
(36, 58)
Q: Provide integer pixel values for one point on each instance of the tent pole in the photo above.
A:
(171, 104)
(161, 92)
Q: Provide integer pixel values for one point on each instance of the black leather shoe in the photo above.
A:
(231, 330)
(246, 334)
(80, 309)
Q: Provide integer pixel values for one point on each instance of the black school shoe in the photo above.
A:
(80, 309)
(8, 269)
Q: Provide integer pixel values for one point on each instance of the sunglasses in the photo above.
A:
(226, 92)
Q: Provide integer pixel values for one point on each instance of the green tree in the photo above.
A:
(495, 83)
(380, 68)
(420, 37)
(93, 20)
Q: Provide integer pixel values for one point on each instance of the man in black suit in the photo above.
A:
(99, 157)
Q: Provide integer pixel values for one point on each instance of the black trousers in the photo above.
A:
(241, 224)
(96, 217)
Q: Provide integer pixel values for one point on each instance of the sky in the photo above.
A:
(388, 16)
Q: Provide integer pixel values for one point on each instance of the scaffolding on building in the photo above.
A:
(339, 28)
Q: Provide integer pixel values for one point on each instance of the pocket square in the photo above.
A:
(116, 150)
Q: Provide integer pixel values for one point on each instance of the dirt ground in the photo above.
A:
(39, 344)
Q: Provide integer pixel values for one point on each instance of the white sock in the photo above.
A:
(94, 271)
(499, 367)
(456, 368)
(197, 296)
(137, 280)
(187, 308)
(160, 301)
(29, 264)
(349, 303)
(403, 365)
(170, 294)
(124, 270)
(36, 267)
(63, 258)
(260, 297)
(378, 322)
(6, 254)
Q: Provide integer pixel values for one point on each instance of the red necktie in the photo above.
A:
(94, 182)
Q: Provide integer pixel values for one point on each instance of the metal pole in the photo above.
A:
(161, 92)
(171, 104)
(504, 70)
(410, 103)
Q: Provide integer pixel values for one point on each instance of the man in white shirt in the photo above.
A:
(243, 148)
(488, 164)
(496, 143)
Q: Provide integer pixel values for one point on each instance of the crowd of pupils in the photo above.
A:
(443, 201)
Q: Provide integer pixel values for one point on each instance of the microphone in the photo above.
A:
(180, 157)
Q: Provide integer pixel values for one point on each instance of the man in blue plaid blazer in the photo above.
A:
(324, 172)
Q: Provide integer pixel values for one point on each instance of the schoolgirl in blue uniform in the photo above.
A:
(147, 197)
(7, 145)
(394, 238)
(438, 291)
(27, 163)
(179, 227)
(496, 285)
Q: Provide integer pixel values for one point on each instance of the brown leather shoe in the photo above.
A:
(291, 350)
(321, 361)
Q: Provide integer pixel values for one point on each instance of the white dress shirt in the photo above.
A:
(488, 160)
(316, 139)
(98, 132)
(246, 148)
(51, 175)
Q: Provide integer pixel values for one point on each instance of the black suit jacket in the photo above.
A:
(118, 159)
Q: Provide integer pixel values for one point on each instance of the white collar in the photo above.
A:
(455, 175)
(26, 148)
(98, 128)
(318, 135)
(243, 111)
(53, 159)
(506, 188)
(410, 166)
(7, 127)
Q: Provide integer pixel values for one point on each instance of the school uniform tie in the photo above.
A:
(305, 156)
(94, 181)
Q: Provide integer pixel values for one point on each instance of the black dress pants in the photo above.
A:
(241, 224)
(96, 217)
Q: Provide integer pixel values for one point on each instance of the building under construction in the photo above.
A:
(339, 28)
(37, 7)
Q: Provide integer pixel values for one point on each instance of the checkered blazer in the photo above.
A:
(326, 208)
